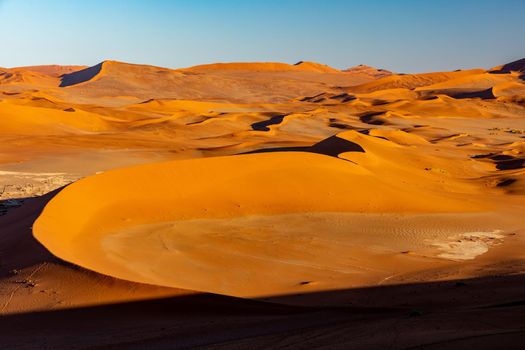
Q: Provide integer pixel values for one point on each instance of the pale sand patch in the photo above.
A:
(27, 174)
(16, 186)
(468, 245)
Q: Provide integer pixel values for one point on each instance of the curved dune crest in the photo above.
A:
(53, 70)
(265, 67)
(183, 223)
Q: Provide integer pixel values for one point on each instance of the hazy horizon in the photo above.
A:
(406, 36)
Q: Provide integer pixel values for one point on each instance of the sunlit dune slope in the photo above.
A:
(265, 67)
(25, 77)
(219, 224)
(370, 71)
(53, 70)
(411, 81)
(19, 119)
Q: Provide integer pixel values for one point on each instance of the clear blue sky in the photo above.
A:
(404, 36)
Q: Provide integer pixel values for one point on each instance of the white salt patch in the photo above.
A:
(468, 245)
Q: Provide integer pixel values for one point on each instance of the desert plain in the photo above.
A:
(261, 206)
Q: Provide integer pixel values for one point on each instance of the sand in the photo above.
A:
(259, 202)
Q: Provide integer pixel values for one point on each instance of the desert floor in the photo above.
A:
(261, 206)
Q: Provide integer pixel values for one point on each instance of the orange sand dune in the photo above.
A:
(26, 77)
(53, 70)
(216, 226)
(389, 195)
(411, 81)
(243, 82)
(266, 67)
(370, 71)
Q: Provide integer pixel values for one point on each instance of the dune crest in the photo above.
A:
(368, 70)
(265, 67)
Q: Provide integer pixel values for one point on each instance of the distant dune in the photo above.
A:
(52, 70)
(369, 71)
(267, 67)
(244, 82)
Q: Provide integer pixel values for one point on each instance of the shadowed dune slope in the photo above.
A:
(80, 76)
(515, 66)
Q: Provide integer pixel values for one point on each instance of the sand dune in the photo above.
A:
(244, 82)
(53, 70)
(370, 71)
(265, 67)
(167, 216)
(411, 81)
(179, 214)
(272, 181)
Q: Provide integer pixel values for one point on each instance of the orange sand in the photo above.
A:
(262, 180)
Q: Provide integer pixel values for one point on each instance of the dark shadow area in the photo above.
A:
(263, 125)
(80, 76)
(340, 126)
(378, 102)
(16, 235)
(481, 156)
(337, 124)
(482, 94)
(427, 97)
(506, 162)
(344, 97)
(315, 99)
(516, 163)
(515, 66)
(503, 161)
(506, 182)
(373, 118)
(485, 94)
(478, 313)
(7, 204)
(332, 146)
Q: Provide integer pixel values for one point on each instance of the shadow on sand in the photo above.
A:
(485, 313)
(332, 146)
(80, 76)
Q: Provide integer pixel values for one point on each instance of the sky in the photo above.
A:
(404, 35)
